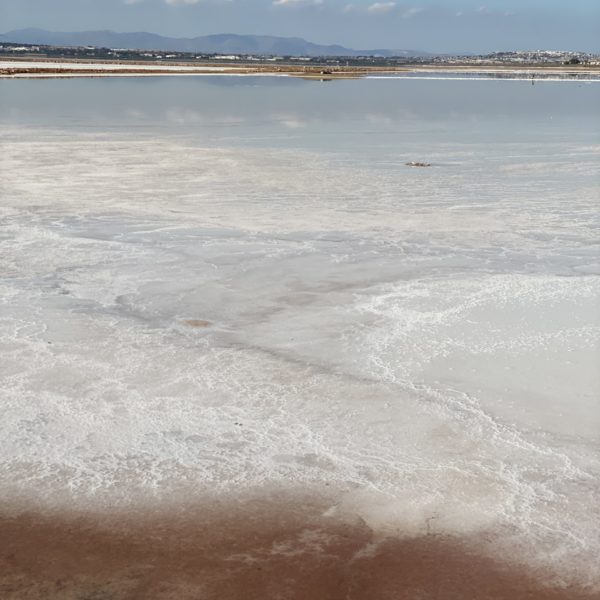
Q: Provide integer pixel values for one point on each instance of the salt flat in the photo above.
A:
(243, 290)
(99, 66)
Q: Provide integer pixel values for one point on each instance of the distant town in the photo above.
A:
(514, 58)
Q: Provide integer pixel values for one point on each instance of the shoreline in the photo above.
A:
(265, 549)
(19, 68)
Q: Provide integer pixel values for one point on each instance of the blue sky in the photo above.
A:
(434, 25)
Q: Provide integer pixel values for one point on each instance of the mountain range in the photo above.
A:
(224, 43)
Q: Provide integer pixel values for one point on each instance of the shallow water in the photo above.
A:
(224, 284)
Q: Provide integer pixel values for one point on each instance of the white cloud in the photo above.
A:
(381, 7)
(170, 2)
(484, 11)
(411, 12)
(294, 3)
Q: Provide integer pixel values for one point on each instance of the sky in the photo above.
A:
(429, 25)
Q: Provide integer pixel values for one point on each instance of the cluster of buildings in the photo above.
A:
(528, 57)
(548, 57)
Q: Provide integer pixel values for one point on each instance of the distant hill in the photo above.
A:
(224, 43)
